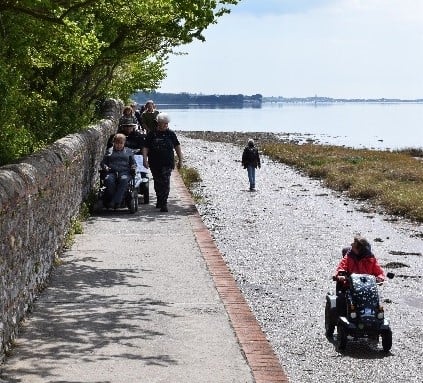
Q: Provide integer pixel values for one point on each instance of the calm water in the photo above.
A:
(379, 126)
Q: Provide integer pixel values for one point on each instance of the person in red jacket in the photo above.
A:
(359, 259)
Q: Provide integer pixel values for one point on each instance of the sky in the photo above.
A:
(302, 48)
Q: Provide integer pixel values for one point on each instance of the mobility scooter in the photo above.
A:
(359, 313)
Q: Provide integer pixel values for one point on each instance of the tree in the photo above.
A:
(60, 58)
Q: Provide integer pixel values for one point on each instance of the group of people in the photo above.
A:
(147, 135)
(150, 136)
(145, 118)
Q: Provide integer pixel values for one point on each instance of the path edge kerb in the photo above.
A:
(258, 352)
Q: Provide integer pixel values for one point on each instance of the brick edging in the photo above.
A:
(260, 356)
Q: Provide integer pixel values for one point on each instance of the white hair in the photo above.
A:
(163, 117)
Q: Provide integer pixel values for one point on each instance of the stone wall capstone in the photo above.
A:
(39, 197)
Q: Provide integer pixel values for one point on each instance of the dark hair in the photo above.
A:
(363, 245)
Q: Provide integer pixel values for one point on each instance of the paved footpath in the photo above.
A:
(143, 298)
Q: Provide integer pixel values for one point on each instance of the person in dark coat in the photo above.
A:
(149, 117)
(158, 153)
(251, 161)
(134, 138)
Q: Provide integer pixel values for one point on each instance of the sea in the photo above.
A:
(380, 126)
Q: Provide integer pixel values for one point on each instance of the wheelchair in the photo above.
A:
(130, 197)
(142, 181)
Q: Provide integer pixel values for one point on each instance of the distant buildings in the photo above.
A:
(328, 100)
(189, 100)
(178, 100)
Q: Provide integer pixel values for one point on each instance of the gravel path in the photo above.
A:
(282, 244)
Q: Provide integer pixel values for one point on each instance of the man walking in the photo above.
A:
(250, 161)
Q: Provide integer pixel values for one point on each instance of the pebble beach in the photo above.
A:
(282, 244)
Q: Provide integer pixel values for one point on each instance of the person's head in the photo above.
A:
(250, 142)
(127, 111)
(119, 141)
(127, 128)
(149, 106)
(162, 121)
(361, 246)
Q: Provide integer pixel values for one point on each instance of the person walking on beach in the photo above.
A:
(159, 157)
(250, 161)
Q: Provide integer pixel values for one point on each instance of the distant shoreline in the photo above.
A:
(192, 100)
(312, 100)
(296, 101)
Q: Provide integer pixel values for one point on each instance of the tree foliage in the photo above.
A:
(60, 58)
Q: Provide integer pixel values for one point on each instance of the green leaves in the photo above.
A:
(59, 57)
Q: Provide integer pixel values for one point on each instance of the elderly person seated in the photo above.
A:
(118, 163)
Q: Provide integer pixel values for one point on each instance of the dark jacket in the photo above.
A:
(134, 140)
(250, 157)
(160, 146)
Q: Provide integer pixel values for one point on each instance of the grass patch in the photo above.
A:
(391, 180)
(191, 177)
(76, 226)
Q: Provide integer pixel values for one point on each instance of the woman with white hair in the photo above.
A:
(159, 157)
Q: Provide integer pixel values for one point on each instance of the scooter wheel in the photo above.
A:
(386, 336)
(341, 338)
(329, 326)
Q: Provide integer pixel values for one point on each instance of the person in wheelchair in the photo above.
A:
(118, 166)
(135, 141)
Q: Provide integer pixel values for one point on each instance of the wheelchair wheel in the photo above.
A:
(145, 192)
(386, 336)
(133, 205)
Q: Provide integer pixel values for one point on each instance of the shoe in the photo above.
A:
(164, 209)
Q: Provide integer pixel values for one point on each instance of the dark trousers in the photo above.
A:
(116, 186)
(161, 184)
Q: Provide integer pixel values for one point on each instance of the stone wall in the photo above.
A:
(39, 197)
